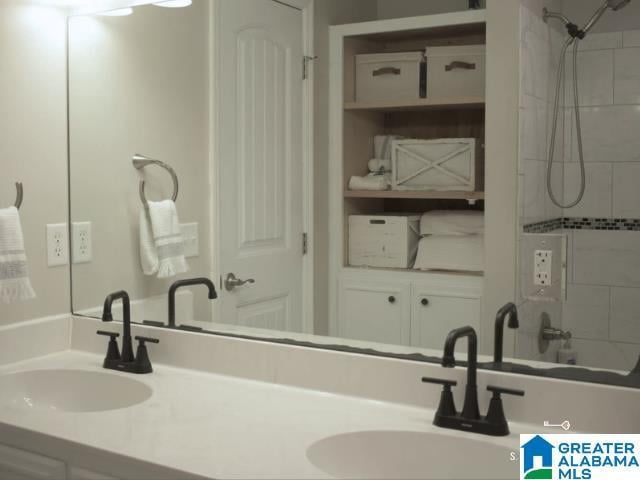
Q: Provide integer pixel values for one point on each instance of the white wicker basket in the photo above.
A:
(441, 164)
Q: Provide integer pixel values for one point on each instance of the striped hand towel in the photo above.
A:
(161, 243)
(14, 276)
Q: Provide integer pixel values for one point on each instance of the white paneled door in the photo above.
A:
(259, 132)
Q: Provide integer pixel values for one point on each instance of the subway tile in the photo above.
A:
(599, 41)
(626, 194)
(631, 38)
(610, 134)
(534, 191)
(606, 258)
(595, 78)
(586, 312)
(596, 201)
(627, 76)
(625, 315)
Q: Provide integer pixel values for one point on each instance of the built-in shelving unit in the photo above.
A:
(421, 195)
(422, 104)
(388, 304)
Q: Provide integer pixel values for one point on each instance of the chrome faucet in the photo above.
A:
(125, 362)
(470, 420)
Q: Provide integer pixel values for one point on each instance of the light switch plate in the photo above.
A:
(57, 244)
(191, 239)
(82, 251)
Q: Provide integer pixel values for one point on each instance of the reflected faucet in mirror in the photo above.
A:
(511, 311)
(187, 283)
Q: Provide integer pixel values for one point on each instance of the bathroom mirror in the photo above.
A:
(579, 253)
(210, 105)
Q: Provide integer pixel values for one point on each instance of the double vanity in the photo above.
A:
(217, 407)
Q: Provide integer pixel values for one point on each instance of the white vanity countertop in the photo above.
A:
(221, 427)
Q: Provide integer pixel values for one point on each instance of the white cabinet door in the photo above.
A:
(435, 312)
(76, 473)
(374, 311)
(18, 464)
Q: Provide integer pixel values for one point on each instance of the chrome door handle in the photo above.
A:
(231, 282)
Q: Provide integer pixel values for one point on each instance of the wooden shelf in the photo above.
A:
(421, 104)
(418, 195)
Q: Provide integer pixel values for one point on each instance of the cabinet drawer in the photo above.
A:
(374, 311)
(434, 315)
(18, 464)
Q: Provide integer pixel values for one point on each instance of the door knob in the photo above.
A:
(231, 282)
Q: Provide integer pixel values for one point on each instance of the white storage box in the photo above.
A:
(456, 71)
(388, 240)
(441, 164)
(388, 76)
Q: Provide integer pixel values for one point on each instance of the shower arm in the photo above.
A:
(594, 18)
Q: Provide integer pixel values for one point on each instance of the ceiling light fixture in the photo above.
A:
(120, 12)
(174, 3)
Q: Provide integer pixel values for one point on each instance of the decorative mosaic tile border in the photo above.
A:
(544, 227)
(581, 223)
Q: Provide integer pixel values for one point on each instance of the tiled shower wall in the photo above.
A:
(540, 45)
(603, 292)
(602, 309)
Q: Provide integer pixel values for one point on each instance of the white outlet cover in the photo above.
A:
(542, 268)
(191, 239)
(81, 242)
(57, 245)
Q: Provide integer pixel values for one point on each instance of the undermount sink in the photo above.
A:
(398, 454)
(71, 390)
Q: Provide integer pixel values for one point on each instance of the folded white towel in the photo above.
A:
(370, 182)
(382, 145)
(451, 252)
(452, 222)
(379, 164)
(161, 242)
(14, 276)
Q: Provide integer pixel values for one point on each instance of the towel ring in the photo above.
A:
(19, 195)
(140, 161)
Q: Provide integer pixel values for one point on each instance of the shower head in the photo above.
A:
(614, 5)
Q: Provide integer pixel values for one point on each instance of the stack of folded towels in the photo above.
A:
(379, 176)
(451, 240)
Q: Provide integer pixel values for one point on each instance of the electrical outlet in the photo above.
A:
(81, 242)
(542, 267)
(190, 238)
(57, 244)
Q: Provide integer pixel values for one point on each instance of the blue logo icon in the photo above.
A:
(538, 447)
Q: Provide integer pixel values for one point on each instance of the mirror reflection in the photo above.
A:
(204, 182)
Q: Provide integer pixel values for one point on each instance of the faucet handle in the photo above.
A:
(113, 352)
(447, 384)
(113, 335)
(447, 406)
(143, 340)
(496, 420)
(507, 391)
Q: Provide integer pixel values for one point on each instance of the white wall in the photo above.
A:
(327, 12)
(138, 84)
(33, 143)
